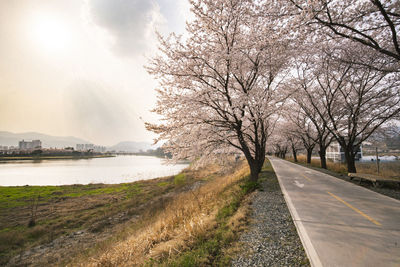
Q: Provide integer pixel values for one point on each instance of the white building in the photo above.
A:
(80, 147)
(28, 145)
(335, 153)
(85, 147)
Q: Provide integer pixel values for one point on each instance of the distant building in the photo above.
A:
(335, 153)
(29, 145)
(80, 147)
(85, 147)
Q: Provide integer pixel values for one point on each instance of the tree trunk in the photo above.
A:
(322, 156)
(254, 170)
(261, 164)
(309, 153)
(255, 165)
(351, 163)
(294, 154)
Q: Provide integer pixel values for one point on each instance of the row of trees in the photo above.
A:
(253, 76)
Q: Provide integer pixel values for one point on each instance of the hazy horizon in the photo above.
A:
(75, 68)
(31, 135)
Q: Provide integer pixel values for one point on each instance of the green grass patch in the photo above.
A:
(133, 190)
(179, 179)
(250, 186)
(162, 184)
(14, 196)
(228, 210)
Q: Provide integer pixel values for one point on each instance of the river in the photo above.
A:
(120, 169)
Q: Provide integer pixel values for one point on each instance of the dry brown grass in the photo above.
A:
(187, 216)
(387, 169)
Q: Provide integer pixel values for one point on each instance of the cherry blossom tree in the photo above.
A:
(297, 127)
(220, 86)
(290, 133)
(278, 143)
(375, 24)
(304, 82)
(351, 100)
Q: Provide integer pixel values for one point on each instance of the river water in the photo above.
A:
(120, 169)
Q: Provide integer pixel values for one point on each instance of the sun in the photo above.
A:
(51, 34)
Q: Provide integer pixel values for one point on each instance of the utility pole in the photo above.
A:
(377, 159)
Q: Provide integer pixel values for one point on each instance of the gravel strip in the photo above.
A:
(271, 239)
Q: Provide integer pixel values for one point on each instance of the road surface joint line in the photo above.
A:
(355, 209)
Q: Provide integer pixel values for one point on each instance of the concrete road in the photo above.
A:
(339, 223)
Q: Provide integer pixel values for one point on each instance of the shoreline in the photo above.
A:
(63, 186)
(84, 171)
(34, 158)
(65, 214)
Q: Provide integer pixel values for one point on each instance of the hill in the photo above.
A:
(12, 139)
(130, 146)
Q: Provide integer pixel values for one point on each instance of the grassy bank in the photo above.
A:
(386, 169)
(94, 224)
(192, 229)
(53, 157)
(59, 211)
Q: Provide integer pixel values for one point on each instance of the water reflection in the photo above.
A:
(119, 169)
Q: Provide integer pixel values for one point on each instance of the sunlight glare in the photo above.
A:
(50, 34)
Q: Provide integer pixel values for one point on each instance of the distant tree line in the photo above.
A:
(40, 152)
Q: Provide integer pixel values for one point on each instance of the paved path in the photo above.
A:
(339, 223)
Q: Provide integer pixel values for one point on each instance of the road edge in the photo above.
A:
(305, 239)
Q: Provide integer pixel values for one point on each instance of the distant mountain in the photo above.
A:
(129, 146)
(12, 139)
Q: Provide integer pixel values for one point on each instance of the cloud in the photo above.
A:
(131, 23)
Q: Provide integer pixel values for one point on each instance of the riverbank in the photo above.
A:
(37, 158)
(194, 218)
(49, 225)
(69, 219)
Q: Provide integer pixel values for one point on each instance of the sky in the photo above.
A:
(75, 68)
